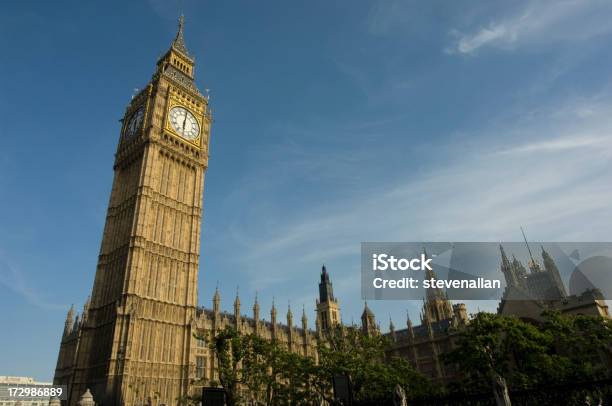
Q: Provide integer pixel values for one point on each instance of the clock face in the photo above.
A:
(134, 123)
(184, 123)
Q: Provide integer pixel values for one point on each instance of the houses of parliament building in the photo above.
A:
(135, 341)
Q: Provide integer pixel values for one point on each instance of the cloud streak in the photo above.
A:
(15, 280)
(538, 22)
(562, 144)
(480, 194)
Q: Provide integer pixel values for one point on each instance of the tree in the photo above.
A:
(264, 369)
(347, 351)
(584, 342)
(272, 375)
(230, 348)
(275, 376)
(562, 349)
(495, 351)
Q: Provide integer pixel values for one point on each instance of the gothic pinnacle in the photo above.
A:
(273, 310)
(179, 40)
(256, 303)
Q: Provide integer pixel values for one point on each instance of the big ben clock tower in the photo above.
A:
(135, 334)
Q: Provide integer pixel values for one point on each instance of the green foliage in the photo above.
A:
(275, 376)
(230, 348)
(563, 348)
(348, 352)
(265, 372)
(583, 342)
(257, 370)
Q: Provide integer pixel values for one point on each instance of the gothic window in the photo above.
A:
(200, 367)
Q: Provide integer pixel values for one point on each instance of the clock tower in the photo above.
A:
(328, 309)
(136, 332)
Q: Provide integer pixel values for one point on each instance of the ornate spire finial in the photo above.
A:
(503, 255)
(273, 314)
(69, 323)
(217, 299)
(304, 318)
(289, 314)
(179, 40)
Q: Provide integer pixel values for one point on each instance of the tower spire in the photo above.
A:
(69, 323)
(273, 311)
(533, 264)
(217, 300)
(508, 270)
(237, 304)
(304, 318)
(409, 324)
(179, 41)
(256, 304)
(551, 267)
(327, 305)
(289, 316)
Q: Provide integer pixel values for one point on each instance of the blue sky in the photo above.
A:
(335, 123)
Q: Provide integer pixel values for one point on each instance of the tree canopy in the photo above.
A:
(562, 349)
(264, 371)
(491, 350)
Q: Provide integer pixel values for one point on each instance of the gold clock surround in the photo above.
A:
(178, 98)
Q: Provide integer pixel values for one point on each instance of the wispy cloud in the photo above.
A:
(470, 43)
(14, 280)
(480, 194)
(538, 22)
(562, 144)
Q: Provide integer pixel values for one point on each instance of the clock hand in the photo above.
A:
(184, 121)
